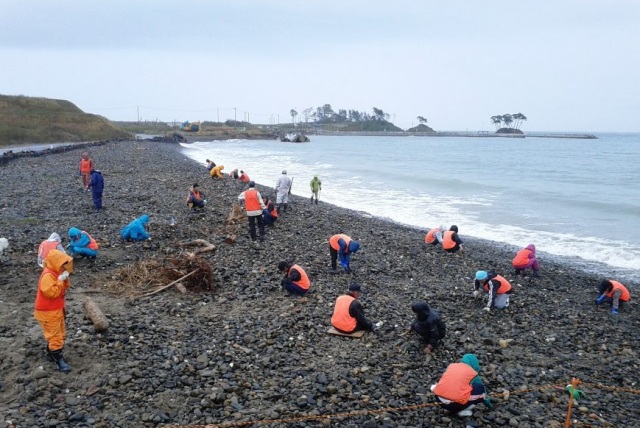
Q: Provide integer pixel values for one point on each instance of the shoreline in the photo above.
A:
(247, 351)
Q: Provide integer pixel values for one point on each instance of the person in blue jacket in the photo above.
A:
(81, 243)
(97, 186)
(135, 230)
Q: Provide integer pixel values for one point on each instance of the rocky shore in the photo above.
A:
(245, 351)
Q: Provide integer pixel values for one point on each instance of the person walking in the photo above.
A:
(82, 243)
(254, 207)
(460, 388)
(316, 186)
(613, 292)
(341, 247)
(295, 279)
(496, 286)
(54, 242)
(451, 242)
(96, 184)
(135, 231)
(525, 259)
(348, 314)
(84, 167)
(428, 325)
(195, 199)
(283, 186)
(49, 308)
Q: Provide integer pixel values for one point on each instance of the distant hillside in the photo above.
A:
(421, 128)
(28, 120)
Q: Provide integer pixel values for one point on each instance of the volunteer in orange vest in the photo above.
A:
(53, 243)
(196, 199)
(50, 303)
(460, 388)
(295, 279)
(342, 246)
(613, 292)
(496, 286)
(451, 242)
(434, 236)
(254, 206)
(348, 315)
(84, 167)
(82, 243)
(270, 214)
(525, 259)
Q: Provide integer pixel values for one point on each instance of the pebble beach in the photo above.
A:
(243, 350)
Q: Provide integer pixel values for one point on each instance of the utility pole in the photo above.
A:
(235, 120)
(218, 114)
(138, 107)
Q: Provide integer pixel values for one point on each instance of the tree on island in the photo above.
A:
(511, 123)
(421, 120)
(293, 114)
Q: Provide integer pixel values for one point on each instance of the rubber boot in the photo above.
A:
(312, 199)
(518, 272)
(285, 208)
(49, 354)
(279, 208)
(60, 362)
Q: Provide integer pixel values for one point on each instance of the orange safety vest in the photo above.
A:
(44, 303)
(271, 209)
(93, 244)
(244, 178)
(195, 195)
(333, 241)
(431, 235)
(85, 166)
(45, 247)
(455, 384)
(505, 286)
(341, 318)
(522, 258)
(625, 296)
(447, 240)
(304, 282)
(251, 202)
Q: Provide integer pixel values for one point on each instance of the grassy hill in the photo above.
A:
(29, 120)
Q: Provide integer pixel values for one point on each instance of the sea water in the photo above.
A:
(576, 200)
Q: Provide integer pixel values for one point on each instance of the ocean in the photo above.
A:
(577, 200)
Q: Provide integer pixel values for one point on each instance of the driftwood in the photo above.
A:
(207, 246)
(181, 288)
(230, 239)
(164, 287)
(236, 215)
(93, 312)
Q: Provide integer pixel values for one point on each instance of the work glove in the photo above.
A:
(487, 402)
(486, 308)
(614, 311)
(345, 265)
(600, 299)
(577, 394)
(476, 293)
(63, 276)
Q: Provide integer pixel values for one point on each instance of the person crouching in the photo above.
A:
(428, 325)
(496, 286)
(614, 293)
(348, 315)
(295, 279)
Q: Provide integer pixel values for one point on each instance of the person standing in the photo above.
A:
(428, 325)
(82, 243)
(49, 308)
(97, 186)
(53, 243)
(254, 207)
(283, 185)
(316, 186)
(460, 388)
(613, 292)
(496, 286)
(451, 242)
(135, 231)
(348, 314)
(295, 279)
(195, 199)
(525, 259)
(342, 246)
(85, 166)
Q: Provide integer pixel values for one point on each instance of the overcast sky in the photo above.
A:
(570, 65)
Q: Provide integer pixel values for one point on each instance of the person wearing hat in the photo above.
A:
(451, 242)
(254, 207)
(342, 246)
(525, 259)
(244, 177)
(283, 186)
(613, 292)
(81, 243)
(53, 243)
(96, 184)
(460, 388)
(136, 230)
(428, 325)
(295, 279)
(195, 199)
(348, 314)
(496, 286)
(216, 172)
(316, 186)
